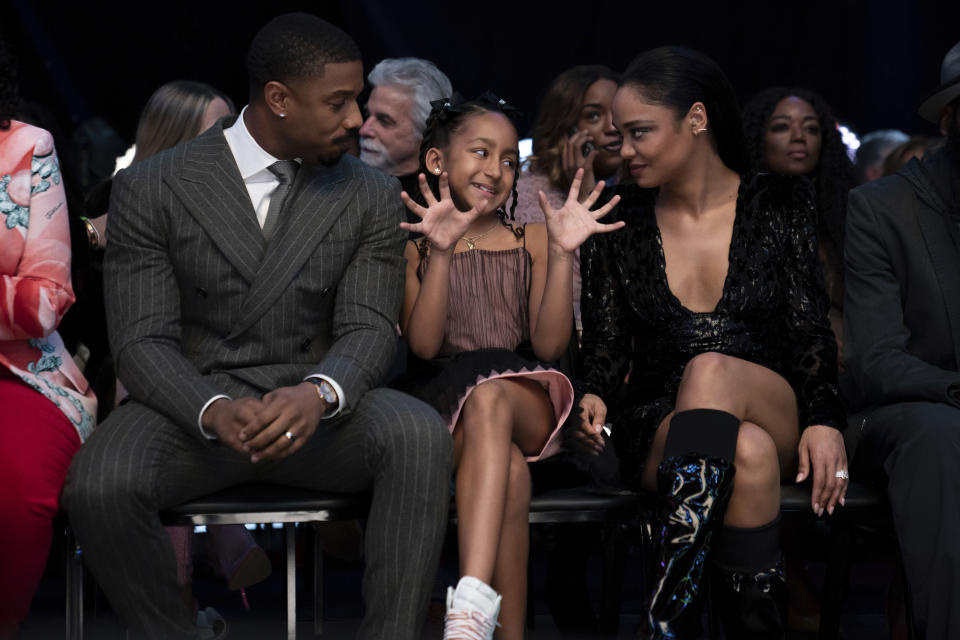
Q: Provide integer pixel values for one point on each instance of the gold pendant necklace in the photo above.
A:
(472, 240)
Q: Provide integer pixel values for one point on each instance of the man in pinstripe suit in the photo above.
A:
(253, 282)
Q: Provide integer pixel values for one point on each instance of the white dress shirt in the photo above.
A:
(253, 163)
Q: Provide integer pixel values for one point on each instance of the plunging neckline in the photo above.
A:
(662, 259)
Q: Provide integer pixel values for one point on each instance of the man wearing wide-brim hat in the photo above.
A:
(902, 353)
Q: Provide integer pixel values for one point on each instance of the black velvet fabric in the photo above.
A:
(773, 311)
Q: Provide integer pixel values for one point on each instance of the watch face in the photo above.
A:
(329, 395)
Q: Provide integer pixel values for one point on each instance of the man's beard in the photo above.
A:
(375, 154)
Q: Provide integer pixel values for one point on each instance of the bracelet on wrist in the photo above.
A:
(93, 235)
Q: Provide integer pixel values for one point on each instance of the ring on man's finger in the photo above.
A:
(842, 474)
(290, 436)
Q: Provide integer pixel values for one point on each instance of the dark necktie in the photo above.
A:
(285, 170)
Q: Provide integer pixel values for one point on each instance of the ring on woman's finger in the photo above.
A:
(842, 474)
(290, 436)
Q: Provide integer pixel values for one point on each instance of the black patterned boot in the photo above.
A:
(693, 490)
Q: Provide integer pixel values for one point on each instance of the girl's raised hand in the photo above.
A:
(570, 225)
(440, 221)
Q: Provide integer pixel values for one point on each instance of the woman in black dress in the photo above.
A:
(713, 302)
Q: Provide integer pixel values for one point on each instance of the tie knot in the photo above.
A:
(285, 170)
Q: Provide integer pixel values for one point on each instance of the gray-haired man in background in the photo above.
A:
(397, 114)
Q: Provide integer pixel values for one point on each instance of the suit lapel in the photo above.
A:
(940, 235)
(316, 201)
(212, 190)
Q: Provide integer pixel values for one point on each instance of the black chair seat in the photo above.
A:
(580, 499)
(862, 501)
(267, 503)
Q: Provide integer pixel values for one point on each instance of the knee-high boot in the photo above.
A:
(694, 482)
(748, 585)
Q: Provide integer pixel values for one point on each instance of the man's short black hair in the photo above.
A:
(296, 45)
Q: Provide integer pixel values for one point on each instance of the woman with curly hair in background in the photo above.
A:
(792, 131)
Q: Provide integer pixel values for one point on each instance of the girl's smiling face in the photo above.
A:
(481, 161)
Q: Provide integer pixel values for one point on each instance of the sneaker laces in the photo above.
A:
(462, 624)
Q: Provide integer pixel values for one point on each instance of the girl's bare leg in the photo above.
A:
(502, 420)
(510, 570)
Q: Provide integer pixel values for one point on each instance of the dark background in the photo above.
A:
(873, 61)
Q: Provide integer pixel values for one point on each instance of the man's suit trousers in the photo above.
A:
(138, 463)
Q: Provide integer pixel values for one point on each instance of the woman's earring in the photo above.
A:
(283, 115)
(437, 171)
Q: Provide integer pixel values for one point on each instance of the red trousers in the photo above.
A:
(37, 443)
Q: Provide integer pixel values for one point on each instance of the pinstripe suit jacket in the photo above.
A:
(199, 304)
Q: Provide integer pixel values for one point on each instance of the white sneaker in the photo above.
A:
(472, 611)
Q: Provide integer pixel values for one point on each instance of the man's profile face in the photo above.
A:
(322, 111)
(388, 138)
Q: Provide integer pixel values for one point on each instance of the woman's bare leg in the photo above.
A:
(768, 437)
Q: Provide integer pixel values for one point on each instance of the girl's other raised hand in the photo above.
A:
(440, 221)
(569, 226)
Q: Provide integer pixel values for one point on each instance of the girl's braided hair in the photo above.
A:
(447, 116)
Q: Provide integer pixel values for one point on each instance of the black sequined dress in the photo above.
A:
(773, 311)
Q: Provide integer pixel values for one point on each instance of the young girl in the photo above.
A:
(478, 288)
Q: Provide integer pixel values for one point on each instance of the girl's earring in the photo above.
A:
(437, 171)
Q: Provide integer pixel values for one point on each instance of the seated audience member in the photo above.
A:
(487, 307)
(793, 132)
(176, 112)
(397, 111)
(874, 149)
(712, 298)
(253, 282)
(47, 407)
(573, 129)
(914, 147)
(902, 319)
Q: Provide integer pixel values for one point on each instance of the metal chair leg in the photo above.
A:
(290, 529)
(317, 582)
(612, 575)
(74, 626)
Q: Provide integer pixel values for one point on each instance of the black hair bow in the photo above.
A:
(446, 107)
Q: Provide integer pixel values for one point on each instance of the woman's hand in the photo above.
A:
(570, 225)
(822, 452)
(589, 435)
(440, 222)
(572, 160)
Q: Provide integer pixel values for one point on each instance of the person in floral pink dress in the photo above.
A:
(46, 407)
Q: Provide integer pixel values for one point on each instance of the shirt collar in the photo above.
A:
(250, 156)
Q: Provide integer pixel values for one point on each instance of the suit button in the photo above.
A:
(305, 345)
(201, 292)
(324, 292)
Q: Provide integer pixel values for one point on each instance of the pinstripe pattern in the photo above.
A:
(199, 304)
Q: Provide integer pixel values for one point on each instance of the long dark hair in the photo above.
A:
(833, 176)
(447, 117)
(677, 77)
(559, 111)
